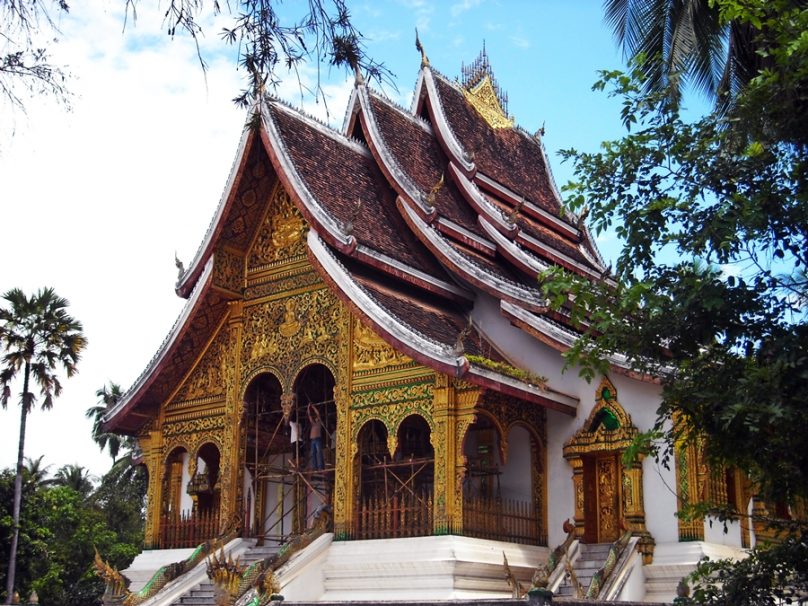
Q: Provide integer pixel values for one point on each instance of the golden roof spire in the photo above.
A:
(483, 93)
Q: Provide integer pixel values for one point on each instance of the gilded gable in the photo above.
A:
(281, 236)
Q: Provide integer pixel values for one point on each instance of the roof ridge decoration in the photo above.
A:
(483, 93)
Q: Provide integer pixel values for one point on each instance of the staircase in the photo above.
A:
(203, 594)
(590, 559)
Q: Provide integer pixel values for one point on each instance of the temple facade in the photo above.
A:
(365, 331)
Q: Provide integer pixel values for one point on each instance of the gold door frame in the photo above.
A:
(594, 439)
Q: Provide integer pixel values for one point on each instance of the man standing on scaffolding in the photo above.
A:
(316, 436)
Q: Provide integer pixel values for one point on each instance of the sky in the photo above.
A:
(97, 200)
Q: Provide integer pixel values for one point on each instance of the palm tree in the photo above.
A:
(37, 336)
(76, 477)
(36, 473)
(107, 398)
(685, 41)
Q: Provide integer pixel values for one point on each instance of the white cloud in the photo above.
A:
(520, 42)
(464, 6)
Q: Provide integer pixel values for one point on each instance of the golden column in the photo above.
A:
(151, 445)
(343, 463)
(443, 444)
(230, 470)
(578, 491)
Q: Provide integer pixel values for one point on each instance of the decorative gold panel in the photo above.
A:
(228, 271)
(281, 236)
(483, 98)
(284, 333)
(207, 378)
(371, 352)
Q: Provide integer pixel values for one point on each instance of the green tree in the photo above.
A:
(107, 398)
(709, 292)
(37, 337)
(75, 477)
(32, 559)
(36, 472)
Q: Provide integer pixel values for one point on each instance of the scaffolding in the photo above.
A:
(275, 459)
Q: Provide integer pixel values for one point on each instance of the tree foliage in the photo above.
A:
(710, 289)
(60, 527)
(26, 69)
(38, 338)
(269, 43)
(108, 396)
(687, 43)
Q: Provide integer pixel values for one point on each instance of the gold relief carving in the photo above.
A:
(391, 416)
(312, 323)
(628, 492)
(392, 395)
(483, 98)
(207, 379)
(228, 270)
(281, 235)
(205, 424)
(579, 496)
(607, 494)
(371, 352)
(296, 278)
(591, 439)
(506, 414)
(290, 326)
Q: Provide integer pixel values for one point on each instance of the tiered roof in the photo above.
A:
(411, 214)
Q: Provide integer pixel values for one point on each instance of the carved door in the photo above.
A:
(602, 500)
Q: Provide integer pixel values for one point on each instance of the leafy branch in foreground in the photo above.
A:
(26, 69)
(267, 40)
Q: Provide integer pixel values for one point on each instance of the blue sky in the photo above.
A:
(97, 200)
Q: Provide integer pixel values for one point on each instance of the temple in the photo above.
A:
(365, 333)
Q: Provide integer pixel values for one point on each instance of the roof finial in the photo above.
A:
(359, 79)
(180, 267)
(460, 343)
(430, 199)
(420, 48)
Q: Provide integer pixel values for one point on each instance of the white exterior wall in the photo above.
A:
(514, 482)
(186, 502)
(639, 399)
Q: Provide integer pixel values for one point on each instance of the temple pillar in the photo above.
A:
(151, 446)
(443, 444)
(578, 491)
(230, 470)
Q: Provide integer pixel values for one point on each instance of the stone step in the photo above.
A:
(203, 594)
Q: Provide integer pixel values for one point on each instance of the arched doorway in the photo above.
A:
(608, 496)
(176, 515)
(502, 488)
(372, 454)
(265, 447)
(204, 486)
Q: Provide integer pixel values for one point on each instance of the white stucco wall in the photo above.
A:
(186, 502)
(639, 399)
